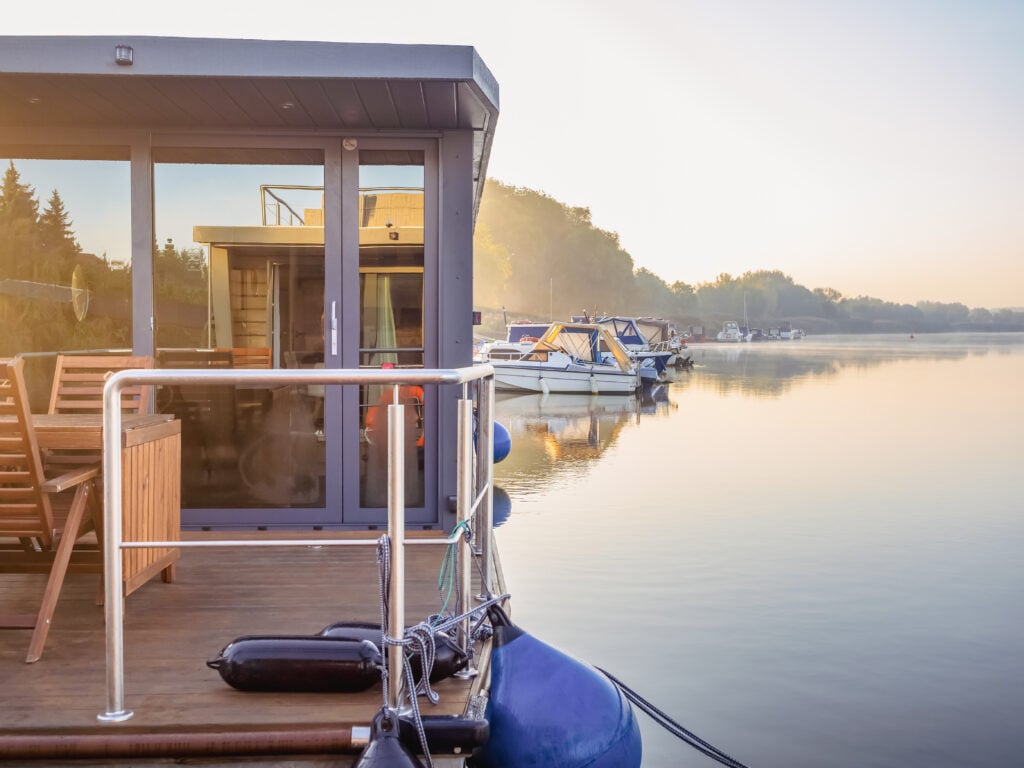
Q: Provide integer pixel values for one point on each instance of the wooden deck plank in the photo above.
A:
(172, 629)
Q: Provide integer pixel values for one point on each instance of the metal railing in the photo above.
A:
(476, 507)
(277, 211)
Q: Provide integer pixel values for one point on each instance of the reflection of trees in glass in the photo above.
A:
(180, 289)
(38, 255)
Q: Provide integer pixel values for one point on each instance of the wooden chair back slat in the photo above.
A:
(248, 357)
(78, 383)
(78, 388)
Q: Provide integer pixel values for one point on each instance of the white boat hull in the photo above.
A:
(525, 376)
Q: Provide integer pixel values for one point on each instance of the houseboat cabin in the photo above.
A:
(252, 204)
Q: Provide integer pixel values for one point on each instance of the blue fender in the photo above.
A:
(502, 442)
(549, 709)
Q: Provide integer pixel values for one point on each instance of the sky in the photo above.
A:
(875, 147)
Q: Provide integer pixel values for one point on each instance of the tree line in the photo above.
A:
(42, 265)
(536, 257)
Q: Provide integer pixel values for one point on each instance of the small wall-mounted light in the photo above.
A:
(33, 100)
(286, 105)
(124, 55)
(392, 235)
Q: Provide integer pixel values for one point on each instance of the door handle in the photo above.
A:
(334, 328)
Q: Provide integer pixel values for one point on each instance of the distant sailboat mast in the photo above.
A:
(746, 322)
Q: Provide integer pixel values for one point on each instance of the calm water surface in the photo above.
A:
(807, 552)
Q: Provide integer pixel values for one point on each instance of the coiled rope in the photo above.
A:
(412, 636)
(671, 725)
(418, 639)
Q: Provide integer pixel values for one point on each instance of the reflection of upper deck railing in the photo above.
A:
(378, 206)
(281, 213)
(474, 499)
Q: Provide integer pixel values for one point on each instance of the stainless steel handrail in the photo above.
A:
(466, 504)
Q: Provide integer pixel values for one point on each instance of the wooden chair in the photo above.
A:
(250, 404)
(248, 357)
(78, 383)
(78, 388)
(208, 423)
(33, 537)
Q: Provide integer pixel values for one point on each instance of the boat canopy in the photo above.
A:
(586, 342)
(655, 329)
(517, 330)
(625, 330)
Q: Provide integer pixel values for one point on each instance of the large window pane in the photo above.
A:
(239, 282)
(65, 261)
(391, 313)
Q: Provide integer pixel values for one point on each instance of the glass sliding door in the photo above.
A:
(240, 281)
(391, 316)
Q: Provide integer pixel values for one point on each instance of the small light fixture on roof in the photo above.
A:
(287, 105)
(124, 55)
(33, 100)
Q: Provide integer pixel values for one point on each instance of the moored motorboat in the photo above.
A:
(730, 332)
(569, 357)
(662, 336)
(652, 363)
(520, 337)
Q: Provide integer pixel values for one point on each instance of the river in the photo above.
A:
(807, 552)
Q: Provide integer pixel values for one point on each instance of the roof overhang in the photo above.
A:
(211, 84)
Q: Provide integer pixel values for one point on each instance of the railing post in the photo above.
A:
(485, 481)
(112, 535)
(464, 503)
(396, 531)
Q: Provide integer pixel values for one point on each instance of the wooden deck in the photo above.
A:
(172, 629)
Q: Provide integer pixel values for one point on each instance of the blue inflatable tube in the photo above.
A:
(549, 709)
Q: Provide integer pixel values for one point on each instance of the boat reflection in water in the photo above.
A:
(564, 433)
(654, 398)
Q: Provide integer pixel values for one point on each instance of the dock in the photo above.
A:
(182, 708)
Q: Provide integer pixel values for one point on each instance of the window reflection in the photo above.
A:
(240, 284)
(391, 314)
(65, 261)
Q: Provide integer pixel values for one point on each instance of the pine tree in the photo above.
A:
(57, 244)
(19, 215)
